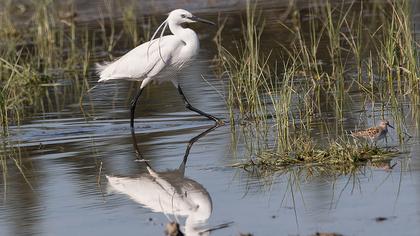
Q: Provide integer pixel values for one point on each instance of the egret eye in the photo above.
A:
(183, 15)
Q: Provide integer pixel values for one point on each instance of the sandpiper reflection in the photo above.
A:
(169, 192)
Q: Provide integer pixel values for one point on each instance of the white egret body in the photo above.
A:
(150, 59)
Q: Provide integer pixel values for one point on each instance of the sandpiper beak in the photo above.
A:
(390, 126)
(197, 19)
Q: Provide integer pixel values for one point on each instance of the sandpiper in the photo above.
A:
(374, 133)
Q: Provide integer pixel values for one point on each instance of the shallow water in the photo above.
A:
(67, 153)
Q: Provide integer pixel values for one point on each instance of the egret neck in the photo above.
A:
(188, 36)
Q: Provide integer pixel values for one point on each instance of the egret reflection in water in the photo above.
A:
(169, 192)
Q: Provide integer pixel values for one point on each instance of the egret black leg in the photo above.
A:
(190, 107)
(133, 108)
(133, 134)
(191, 143)
(136, 147)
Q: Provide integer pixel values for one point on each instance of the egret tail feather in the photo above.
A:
(90, 90)
(99, 67)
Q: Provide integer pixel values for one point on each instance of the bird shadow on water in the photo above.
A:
(171, 193)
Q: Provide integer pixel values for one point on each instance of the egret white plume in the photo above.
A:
(165, 24)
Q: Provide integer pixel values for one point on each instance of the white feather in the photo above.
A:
(136, 64)
(149, 59)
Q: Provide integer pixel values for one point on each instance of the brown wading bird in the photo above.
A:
(373, 134)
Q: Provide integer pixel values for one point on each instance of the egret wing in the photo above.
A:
(149, 57)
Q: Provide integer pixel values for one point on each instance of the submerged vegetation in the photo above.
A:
(341, 157)
(315, 73)
(48, 59)
(54, 50)
(29, 57)
(280, 86)
(19, 86)
(296, 83)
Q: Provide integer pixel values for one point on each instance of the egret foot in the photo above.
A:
(219, 122)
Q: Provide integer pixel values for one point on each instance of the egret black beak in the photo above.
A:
(197, 19)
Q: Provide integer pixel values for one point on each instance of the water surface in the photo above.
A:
(68, 152)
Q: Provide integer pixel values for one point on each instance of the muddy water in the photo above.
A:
(83, 179)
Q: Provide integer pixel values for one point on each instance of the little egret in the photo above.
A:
(148, 61)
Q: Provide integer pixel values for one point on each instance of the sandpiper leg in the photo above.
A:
(190, 107)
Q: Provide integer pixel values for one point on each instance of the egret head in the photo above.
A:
(384, 124)
(180, 16)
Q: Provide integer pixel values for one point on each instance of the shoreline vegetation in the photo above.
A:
(277, 90)
(47, 61)
(343, 52)
(54, 50)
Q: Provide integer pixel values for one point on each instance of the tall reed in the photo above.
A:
(286, 98)
(247, 70)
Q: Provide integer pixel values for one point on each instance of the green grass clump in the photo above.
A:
(339, 50)
(247, 71)
(56, 46)
(337, 155)
(19, 88)
(11, 160)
